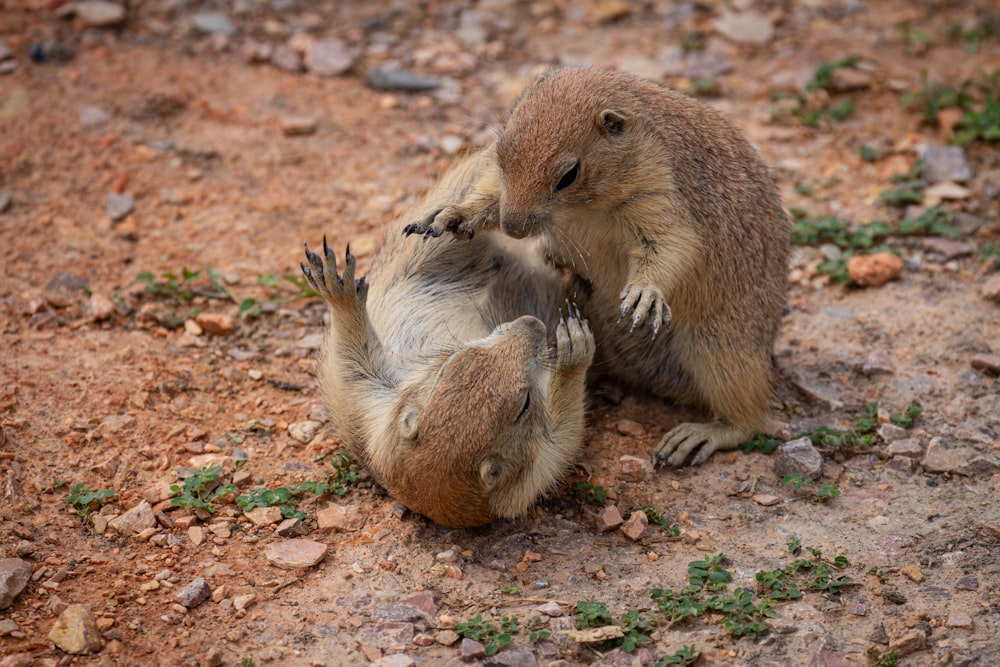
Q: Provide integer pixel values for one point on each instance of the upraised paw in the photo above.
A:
(574, 340)
(439, 221)
(321, 273)
(645, 302)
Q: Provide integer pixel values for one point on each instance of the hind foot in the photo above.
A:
(337, 291)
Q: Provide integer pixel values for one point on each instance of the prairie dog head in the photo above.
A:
(462, 459)
(567, 145)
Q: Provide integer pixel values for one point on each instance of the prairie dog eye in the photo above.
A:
(527, 404)
(568, 178)
(491, 472)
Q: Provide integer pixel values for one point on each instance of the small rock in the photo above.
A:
(286, 58)
(551, 609)
(451, 144)
(425, 601)
(798, 457)
(213, 23)
(945, 163)
(990, 289)
(76, 631)
(91, 116)
(298, 126)
(635, 468)
(340, 517)
(8, 626)
(988, 363)
(215, 323)
(846, 79)
(120, 206)
(913, 573)
(967, 583)
(196, 534)
(5, 51)
(221, 529)
(421, 639)
(875, 269)
(99, 14)
(329, 57)
(241, 602)
(382, 78)
(396, 659)
(945, 190)
(472, 650)
(304, 432)
(520, 656)
(608, 519)
(264, 516)
(397, 613)
(101, 307)
(635, 526)
(605, 11)
(947, 249)
(212, 658)
(64, 289)
(14, 576)
(960, 460)
(891, 433)
(744, 27)
(446, 637)
(910, 447)
(766, 499)
(910, 641)
(630, 428)
(959, 619)
(134, 521)
(5, 202)
(877, 361)
(292, 528)
(295, 554)
(194, 593)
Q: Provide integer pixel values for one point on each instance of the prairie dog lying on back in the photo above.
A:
(667, 217)
(437, 370)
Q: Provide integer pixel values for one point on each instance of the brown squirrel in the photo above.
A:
(437, 371)
(665, 215)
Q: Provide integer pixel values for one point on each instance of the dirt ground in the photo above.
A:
(232, 159)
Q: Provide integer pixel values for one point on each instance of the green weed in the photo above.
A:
(85, 501)
(658, 518)
(591, 494)
(933, 221)
(200, 490)
(685, 656)
(876, 658)
(907, 418)
(494, 637)
(821, 492)
(823, 76)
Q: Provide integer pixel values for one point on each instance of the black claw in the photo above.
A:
(411, 228)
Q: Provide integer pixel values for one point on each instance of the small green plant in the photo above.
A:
(794, 545)
(814, 230)
(637, 628)
(250, 307)
(907, 418)
(879, 573)
(591, 494)
(85, 501)
(685, 656)
(990, 252)
(916, 41)
(246, 662)
(537, 634)
(876, 658)
(345, 472)
(933, 221)
(821, 492)
(494, 637)
(658, 518)
(201, 489)
(823, 76)
(868, 153)
(804, 189)
(183, 287)
(980, 125)
(592, 613)
(902, 196)
(761, 443)
(509, 590)
(804, 574)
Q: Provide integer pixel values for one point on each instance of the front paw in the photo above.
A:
(645, 302)
(574, 340)
(437, 222)
(321, 273)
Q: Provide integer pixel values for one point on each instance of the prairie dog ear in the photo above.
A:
(611, 122)
(490, 472)
(409, 423)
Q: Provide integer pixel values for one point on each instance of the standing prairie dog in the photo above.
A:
(667, 217)
(437, 370)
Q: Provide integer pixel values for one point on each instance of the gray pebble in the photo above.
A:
(14, 575)
(329, 57)
(945, 163)
(194, 593)
(383, 78)
(5, 202)
(286, 58)
(119, 206)
(798, 457)
(91, 116)
(213, 23)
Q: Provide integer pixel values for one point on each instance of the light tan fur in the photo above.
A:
(437, 369)
(669, 219)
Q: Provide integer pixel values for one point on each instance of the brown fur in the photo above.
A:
(672, 221)
(437, 371)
